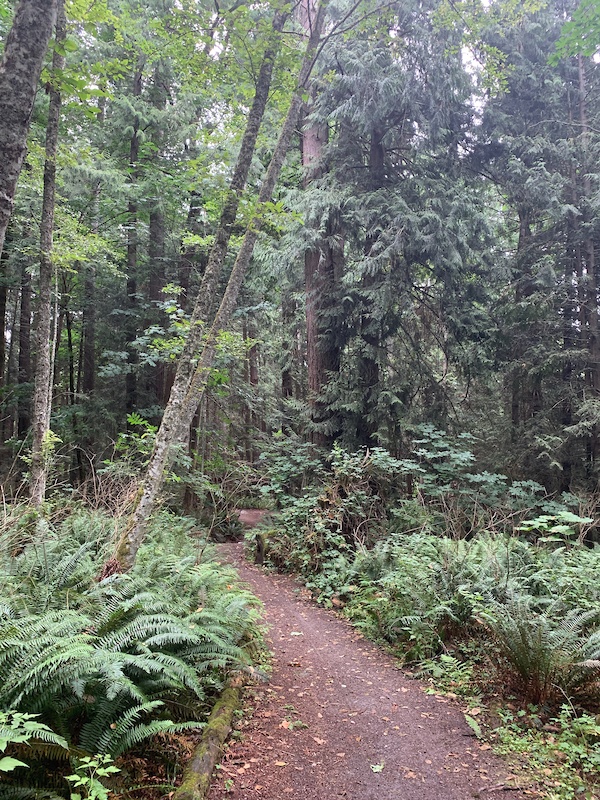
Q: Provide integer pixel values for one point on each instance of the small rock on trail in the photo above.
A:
(338, 719)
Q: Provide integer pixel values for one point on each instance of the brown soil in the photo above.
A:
(250, 517)
(339, 719)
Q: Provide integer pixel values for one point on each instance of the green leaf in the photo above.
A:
(474, 725)
(7, 764)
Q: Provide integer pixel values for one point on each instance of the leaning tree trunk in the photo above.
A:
(186, 395)
(19, 75)
(42, 393)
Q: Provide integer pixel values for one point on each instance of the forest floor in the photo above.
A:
(340, 719)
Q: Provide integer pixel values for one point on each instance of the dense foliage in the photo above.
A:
(452, 209)
(108, 663)
(486, 587)
(348, 271)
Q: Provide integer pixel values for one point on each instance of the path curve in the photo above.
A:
(372, 733)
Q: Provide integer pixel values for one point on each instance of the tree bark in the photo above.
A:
(24, 368)
(20, 70)
(42, 393)
(186, 395)
(3, 301)
(320, 267)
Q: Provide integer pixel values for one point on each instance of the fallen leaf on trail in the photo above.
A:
(281, 763)
(296, 633)
(341, 755)
(485, 747)
(474, 711)
(377, 767)
(410, 775)
(288, 791)
(318, 741)
(285, 724)
(241, 771)
(404, 690)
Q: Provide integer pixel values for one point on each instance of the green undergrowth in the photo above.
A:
(107, 664)
(488, 588)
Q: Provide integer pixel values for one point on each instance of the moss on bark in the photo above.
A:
(197, 774)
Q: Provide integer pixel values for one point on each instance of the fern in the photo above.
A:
(546, 651)
(104, 663)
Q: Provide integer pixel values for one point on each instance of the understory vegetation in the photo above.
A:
(93, 666)
(339, 260)
(487, 587)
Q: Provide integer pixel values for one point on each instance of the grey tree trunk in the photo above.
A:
(42, 393)
(187, 394)
(24, 368)
(20, 70)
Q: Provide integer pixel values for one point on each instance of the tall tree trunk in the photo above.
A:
(24, 370)
(520, 394)
(132, 257)
(42, 395)
(370, 325)
(12, 369)
(321, 267)
(20, 70)
(187, 393)
(589, 259)
(159, 94)
(288, 344)
(3, 301)
(157, 378)
(88, 333)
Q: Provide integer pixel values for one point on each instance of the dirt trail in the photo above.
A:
(371, 732)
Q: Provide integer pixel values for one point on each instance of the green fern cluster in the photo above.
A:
(533, 607)
(108, 664)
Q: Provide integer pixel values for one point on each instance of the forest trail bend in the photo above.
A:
(340, 720)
